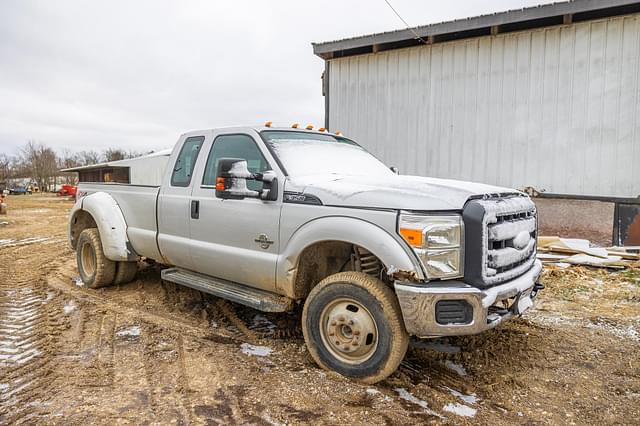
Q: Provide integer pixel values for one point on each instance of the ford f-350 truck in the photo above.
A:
(275, 217)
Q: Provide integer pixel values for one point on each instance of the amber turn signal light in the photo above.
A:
(220, 184)
(412, 236)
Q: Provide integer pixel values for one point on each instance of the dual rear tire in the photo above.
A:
(95, 269)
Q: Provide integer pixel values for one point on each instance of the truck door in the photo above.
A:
(236, 240)
(174, 205)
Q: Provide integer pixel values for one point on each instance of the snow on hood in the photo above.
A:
(392, 191)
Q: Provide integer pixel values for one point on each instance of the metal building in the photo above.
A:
(545, 97)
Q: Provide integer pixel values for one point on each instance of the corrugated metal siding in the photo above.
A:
(556, 108)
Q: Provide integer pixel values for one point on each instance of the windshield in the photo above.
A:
(305, 153)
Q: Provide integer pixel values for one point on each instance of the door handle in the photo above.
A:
(195, 209)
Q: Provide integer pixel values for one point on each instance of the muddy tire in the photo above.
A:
(125, 272)
(352, 324)
(95, 269)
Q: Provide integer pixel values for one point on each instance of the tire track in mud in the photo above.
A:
(28, 330)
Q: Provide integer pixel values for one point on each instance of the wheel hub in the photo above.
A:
(349, 331)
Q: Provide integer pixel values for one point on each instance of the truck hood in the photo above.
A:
(392, 191)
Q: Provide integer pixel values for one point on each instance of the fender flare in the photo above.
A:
(378, 241)
(108, 217)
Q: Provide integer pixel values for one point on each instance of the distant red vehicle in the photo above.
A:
(68, 190)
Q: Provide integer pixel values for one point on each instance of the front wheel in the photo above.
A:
(352, 324)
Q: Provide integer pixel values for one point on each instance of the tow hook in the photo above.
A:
(536, 288)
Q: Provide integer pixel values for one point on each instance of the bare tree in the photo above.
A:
(114, 154)
(5, 168)
(67, 160)
(41, 162)
(86, 158)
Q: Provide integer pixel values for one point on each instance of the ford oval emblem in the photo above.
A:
(521, 240)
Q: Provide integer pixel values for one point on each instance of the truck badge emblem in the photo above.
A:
(264, 241)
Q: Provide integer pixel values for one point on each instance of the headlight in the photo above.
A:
(437, 240)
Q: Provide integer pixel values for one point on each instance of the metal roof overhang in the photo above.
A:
(502, 22)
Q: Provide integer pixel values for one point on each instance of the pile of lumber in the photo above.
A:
(564, 252)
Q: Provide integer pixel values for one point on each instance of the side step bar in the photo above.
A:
(258, 299)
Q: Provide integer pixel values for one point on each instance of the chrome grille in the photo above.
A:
(509, 240)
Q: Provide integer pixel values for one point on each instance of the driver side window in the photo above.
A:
(235, 146)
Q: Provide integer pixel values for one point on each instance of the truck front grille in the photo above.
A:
(500, 239)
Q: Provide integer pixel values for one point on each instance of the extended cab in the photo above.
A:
(276, 217)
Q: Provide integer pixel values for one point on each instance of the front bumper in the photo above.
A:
(419, 304)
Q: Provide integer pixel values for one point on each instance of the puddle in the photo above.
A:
(253, 350)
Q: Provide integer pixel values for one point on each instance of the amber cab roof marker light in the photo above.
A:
(268, 123)
(295, 125)
(338, 133)
(309, 127)
(322, 129)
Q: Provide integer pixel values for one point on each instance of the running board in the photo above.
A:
(258, 299)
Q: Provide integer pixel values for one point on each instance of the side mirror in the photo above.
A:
(395, 170)
(231, 181)
(270, 188)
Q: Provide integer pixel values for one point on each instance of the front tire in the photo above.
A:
(95, 269)
(352, 324)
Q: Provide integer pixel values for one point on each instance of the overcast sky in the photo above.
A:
(135, 74)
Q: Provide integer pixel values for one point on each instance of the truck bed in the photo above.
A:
(138, 204)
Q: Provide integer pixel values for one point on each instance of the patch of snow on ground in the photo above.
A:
(132, 331)
(23, 242)
(69, 307)
(469, 399)
(249, 349)
(622, 332)
(262, 323)
(459, 369)
(78, 281)
(404, 394)
(628, 332)
(372, 392)
(460, 410)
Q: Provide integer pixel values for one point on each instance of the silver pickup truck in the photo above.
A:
(276, 217)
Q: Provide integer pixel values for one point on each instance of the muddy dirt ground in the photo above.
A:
(152, 353)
